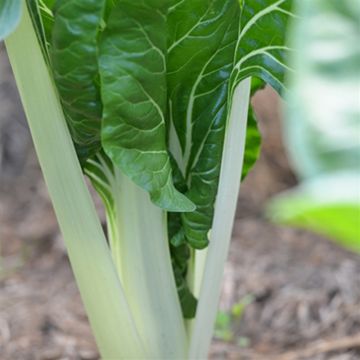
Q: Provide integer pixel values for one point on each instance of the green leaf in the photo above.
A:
(323, 122)
(261, 48)
(253, 136)
(253, 143)
(201, 51)
(162, 72)
(256, 85)
(47, 16)
(329, 205)
(74, 58)
(43, 20)
(134, 94)
(10, 14)
(209, 53)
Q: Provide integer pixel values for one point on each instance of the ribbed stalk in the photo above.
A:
(194, 279)
(99, 285)
(143, 260)
(229, 185)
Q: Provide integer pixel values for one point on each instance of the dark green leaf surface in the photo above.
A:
(134, 93)
(253, 136)
(43, 20)
(46, 11)
(261, 48)
(199, 67)
(75, 65)
(180, 258)
(10, 14)
(219, 41)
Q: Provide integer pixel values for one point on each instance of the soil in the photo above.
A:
(305, 290)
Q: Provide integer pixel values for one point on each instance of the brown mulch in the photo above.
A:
(305, 289)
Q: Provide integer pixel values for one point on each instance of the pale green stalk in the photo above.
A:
(101, 291)
(196, 270)
(230, 177)
(144, 263)
(194, 279)
(199, 268)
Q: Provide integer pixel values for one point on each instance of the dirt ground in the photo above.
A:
(305, 290)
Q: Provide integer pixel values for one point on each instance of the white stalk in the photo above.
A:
(144, 263)
(229, 185)
(96, 276)
(194, 278)
(199, 268)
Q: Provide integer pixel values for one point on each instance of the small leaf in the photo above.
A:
(134, 94)
(261, 48)
(75, 63)
(253, 143)
(329, 205)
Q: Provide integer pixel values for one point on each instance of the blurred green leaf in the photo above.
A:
(238, 309)
(223, 326)
(322, 131)
(225, 320)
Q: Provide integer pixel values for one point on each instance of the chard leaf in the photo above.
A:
(261, 48)
(134, 94)
(199, 66)
(47, 17)
(75, 64)
(10, 14)
(43, 20)
(253, 143)
(100, 171)
(209, 53)
(253, 136)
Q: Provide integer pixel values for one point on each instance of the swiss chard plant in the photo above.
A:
(150, 100)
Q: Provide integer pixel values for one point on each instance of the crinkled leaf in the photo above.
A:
(47, 17)
(209, 53)
(261, 48)
(323, 122)
(43, 20)
(10, 14)
(74, 55)
(134, 94)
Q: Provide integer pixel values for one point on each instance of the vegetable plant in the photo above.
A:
(150, 100)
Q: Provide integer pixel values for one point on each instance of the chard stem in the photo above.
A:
(143, 260)
(225, 207)
(100, 288)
